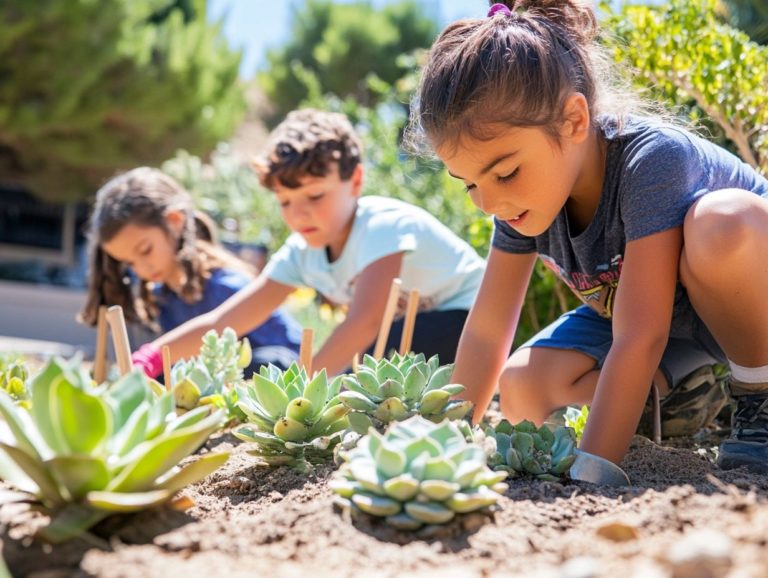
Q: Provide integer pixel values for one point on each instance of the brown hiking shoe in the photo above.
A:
(690, 406)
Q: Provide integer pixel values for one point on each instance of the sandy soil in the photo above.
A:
(682, 517)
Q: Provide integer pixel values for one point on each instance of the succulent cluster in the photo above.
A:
(524, 449)
(209, 377)
(417, 472)
(294, 420)
(87, 451)
(14, 374)
(387, 390)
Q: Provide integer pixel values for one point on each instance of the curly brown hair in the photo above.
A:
(308, 143)
(143, 197)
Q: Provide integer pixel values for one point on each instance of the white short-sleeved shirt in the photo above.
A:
(444, 268)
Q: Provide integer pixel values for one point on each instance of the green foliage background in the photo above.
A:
(340, 45)
(90, 87)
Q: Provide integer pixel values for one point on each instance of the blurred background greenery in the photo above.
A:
(93, 87)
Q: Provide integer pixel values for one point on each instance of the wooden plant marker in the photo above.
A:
(410, 321)
(355, 362)
(166, 366)
(120, 338)
(100, 355)
(386, 320)
(305, 353)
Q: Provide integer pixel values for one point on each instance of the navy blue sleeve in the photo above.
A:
(506, 239)
(664, 173)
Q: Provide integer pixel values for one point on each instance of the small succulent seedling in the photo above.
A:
(14, 374)
(86, 451)
(416, 473)
(294, 420)
(524, 449)
(209, 378)
(576, 419)
(387, 390)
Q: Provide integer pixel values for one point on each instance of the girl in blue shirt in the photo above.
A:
(156, 257)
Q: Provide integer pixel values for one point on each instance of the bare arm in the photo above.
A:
(490, 328)
(356, 333)
(243, 311)
(641, 318)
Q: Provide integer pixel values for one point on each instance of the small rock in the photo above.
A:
(580, 567)
(700, 554)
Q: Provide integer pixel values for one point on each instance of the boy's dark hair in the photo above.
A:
(306, 144)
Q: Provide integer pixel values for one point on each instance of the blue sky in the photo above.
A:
(256, 25)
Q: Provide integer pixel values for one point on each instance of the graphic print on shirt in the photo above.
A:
(596, 289)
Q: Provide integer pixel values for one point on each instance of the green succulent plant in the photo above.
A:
(209, 378)
(416, 473)
(88, 451)
(576, 419)
(395, 389)
(524, 449)
(14, 374)
(295, 420)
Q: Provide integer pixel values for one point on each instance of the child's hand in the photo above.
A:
(149, 359)
(594, 469)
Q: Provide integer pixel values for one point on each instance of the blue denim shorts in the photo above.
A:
(583, 330)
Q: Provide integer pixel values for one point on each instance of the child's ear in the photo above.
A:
(576, 117)
(175, 220)
(357, 180)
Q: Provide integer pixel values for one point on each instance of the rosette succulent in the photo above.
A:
(387, 390)
(294, 420)
(14, 374)
(85, 452)
(416, 473)
(209, 377)
(576, 419)
(524, 449)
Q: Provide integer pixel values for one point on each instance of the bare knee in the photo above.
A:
(521, 394)
(720, 227)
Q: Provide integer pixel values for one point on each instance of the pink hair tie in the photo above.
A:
(498, 7)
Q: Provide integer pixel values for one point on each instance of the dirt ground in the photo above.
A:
(682, 517)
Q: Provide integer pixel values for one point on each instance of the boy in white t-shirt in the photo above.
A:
(347, 248)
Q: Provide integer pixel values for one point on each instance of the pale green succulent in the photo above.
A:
(387, 390)
(417, 472)
(576, 419)
(524, 449)
(14, 374)
(85, 452)
(294, 420)
(209, 378)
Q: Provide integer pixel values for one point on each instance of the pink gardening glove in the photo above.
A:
(149, 359)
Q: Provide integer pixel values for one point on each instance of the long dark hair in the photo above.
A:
(143, 197)
(515, 68)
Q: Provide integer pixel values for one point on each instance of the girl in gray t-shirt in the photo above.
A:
(659, 232)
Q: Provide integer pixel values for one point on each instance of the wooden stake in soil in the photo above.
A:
(167, 366)
(355, 362)
(100, 355)
(386, 320)
(410, 321)
(305, 353)
(120, 338)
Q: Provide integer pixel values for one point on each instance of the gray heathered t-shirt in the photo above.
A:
(653, 174)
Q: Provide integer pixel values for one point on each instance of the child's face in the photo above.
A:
(522, 176)
(322, 209)
(149, 251)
